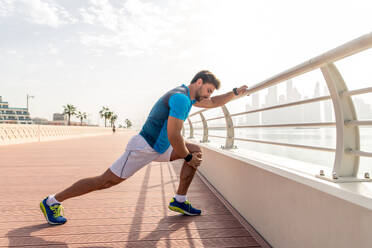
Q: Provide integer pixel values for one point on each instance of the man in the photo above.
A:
(159, 140)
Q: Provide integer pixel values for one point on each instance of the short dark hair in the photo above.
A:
(207, 77)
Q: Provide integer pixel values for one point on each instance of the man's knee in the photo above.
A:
(190, 147)
(108, 179)
(193, 148)
(105, 184)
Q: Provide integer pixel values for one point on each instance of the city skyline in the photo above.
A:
(315, 112)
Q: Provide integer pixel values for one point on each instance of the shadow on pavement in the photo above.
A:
(22, 237)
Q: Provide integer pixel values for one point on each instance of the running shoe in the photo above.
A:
(53, 213)
(183, 207)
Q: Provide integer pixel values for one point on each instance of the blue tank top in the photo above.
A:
(175, 103)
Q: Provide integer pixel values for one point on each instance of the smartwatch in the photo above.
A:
(235, 90)
(188, 157)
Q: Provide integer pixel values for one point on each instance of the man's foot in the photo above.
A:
(183, 207)
(52, 213)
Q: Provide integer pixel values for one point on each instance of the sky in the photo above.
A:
(126, 54)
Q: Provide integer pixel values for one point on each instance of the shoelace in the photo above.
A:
(188, 204)
(57, 210)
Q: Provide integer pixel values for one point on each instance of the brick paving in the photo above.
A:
(131, 214)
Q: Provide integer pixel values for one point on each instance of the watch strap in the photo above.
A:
(188, 157)
(235, 90)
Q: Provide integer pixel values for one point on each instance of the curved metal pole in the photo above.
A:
(229, 129)
(205, 128)
(191, 129)
(345, 164)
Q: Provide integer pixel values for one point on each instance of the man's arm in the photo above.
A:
(174, 127)
(220, 100)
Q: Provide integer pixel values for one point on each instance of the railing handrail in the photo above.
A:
(349, 48)
(348, 140)
(315, 99)
(303, 124)
(362, 43)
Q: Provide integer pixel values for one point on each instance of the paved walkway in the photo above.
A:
(132, 214)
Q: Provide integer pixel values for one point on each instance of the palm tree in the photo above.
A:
(103, 113)
(69, 110)
(81, 116)
(108, 115)
(113, 118)
(128, 123)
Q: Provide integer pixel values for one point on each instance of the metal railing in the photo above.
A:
(347, 151)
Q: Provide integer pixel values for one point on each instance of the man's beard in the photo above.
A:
(198, 98)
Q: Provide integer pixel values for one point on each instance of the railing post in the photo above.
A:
(191, 129)
(345, 165)
(205, 129)
(229, 129)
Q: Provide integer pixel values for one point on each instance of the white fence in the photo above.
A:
(347, 150)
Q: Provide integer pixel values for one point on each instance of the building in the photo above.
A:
(363, 110)
(40, 121)
(312, 112)
(253, 118)
(59, 117)
(303, 113)
(9, 115)
(271, 99)
(328, 108)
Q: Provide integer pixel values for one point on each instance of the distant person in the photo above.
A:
(113, 128)
(159, 140)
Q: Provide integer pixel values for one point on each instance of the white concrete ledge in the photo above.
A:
(359, 193)
(290, 207)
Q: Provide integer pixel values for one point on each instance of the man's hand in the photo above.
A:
(220, 100)
(243, 90)
(196, 160)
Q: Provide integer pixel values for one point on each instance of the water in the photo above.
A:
(320, 137)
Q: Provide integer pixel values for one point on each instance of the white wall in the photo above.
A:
(18, 133)
(285, 212)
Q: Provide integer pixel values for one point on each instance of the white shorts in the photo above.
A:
(137, 154)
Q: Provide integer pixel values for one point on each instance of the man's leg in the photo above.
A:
(137, 154)
(86, 185)
(179, 203)
(51, 206)
(187, 172)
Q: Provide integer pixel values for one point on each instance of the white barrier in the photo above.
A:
(347, 151)
(288, 208)
(17, 133)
